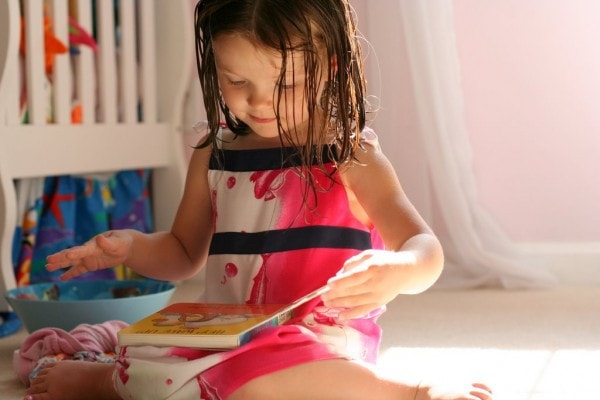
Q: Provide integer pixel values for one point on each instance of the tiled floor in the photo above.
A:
(527, 345)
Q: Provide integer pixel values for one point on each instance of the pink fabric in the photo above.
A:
(282, 346)
(101, 338)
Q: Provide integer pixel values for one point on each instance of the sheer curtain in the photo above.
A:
(477, 252)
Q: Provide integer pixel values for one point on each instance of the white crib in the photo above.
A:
(131, 96)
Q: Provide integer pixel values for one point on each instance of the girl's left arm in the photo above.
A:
(412, 259)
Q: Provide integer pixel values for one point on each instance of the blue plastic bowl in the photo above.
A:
(89, 302)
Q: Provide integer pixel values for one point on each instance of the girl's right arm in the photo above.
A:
(173, 255)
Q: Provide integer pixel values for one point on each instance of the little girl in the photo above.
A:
(290, 193)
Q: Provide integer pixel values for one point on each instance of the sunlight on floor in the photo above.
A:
(513, 374)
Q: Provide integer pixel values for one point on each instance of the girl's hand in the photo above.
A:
(368, 281)
(106, 250)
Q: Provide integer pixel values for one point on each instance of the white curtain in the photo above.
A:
(477, 252)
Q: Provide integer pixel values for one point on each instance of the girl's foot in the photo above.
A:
(73, 380)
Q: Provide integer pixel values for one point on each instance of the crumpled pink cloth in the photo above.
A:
(98, 338)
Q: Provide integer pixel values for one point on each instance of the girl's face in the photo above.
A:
(248, 76)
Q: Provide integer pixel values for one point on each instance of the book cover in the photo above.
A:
(208, 326)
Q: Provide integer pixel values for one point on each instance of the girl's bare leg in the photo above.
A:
(341, 379)
(330, 379)
(74, 380)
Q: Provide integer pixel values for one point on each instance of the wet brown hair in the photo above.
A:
(312, 27)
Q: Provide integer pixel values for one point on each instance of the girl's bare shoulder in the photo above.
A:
(368, 155)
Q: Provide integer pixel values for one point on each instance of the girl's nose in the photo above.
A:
(261, 97)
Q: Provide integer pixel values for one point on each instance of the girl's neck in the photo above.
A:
(252, 141)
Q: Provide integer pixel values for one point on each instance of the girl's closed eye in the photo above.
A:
(236, 83)
(288, 86)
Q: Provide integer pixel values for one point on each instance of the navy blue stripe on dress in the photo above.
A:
(275, 241)
(261, 159)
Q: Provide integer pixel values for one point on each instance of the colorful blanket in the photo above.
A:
(64, 211)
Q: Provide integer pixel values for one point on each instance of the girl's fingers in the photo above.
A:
(66, 258)
(354, 304)
(57, 261)
(103, 242)
(108, 245)
(346, 285)
(72, 273)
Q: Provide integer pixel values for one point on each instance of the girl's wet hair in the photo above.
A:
(313, 27)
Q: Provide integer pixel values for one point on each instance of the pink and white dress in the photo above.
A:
(274, 241)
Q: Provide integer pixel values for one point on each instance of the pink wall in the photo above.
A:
(531, 79)
(396, 120)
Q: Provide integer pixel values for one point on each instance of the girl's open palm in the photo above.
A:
(106, 250)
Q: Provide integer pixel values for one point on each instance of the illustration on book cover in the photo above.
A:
(186, 321)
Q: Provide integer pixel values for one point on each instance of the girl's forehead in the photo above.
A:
(235, 47)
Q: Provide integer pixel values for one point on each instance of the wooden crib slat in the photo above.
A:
(10, 74)
(85, 76)
(147, 49)
(11, 89)
(34, 61)
(9, 85)
(127, 61)
(8, 221)
(61, 76)
(107, 62)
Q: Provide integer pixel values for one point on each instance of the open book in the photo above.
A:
(209, 326)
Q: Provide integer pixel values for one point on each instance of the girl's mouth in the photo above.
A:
(262, 120)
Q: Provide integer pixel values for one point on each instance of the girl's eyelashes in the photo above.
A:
(292, 84)
(236, 83)
(287, 86)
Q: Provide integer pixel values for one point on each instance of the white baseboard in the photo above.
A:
(574, 264)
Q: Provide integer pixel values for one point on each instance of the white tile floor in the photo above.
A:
(527, 345)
